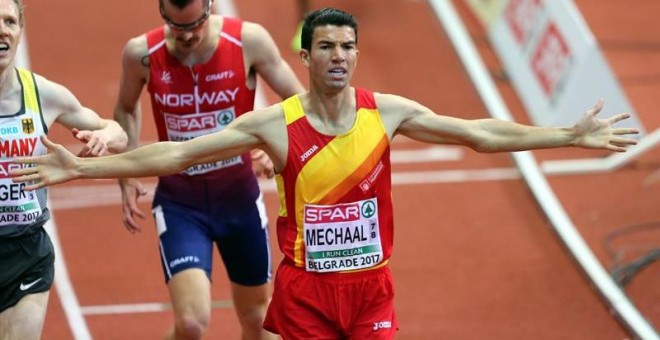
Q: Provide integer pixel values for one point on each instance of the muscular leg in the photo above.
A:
(251, 303)
(26, 319)
(190, 292)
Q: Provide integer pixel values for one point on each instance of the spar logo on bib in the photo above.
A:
(226, 116)
(340, 213)
(190, 123)
(368, 209)
(332, 214)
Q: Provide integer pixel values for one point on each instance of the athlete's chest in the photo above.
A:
(214, 84)
(19, 135)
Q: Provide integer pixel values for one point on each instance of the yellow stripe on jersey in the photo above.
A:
(29, 90)
(293, 109)
(279, 181)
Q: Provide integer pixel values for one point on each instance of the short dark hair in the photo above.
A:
(322, 17)
(180, 4)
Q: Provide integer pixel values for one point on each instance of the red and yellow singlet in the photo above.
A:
(336, 193)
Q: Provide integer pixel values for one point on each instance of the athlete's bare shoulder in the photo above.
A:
(258, 44)
(253, 30)
(136, 51)
(55, 99)
(395, 109)
(50, 92)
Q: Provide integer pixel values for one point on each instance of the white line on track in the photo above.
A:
(62, 283)
(147, 307)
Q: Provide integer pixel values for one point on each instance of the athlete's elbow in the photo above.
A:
(488, 146)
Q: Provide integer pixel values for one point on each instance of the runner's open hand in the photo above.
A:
(96, 143)
(131, 190)
(53, 168)
(262, 164)
(594, 133)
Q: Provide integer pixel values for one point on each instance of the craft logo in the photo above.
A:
(220, 76)
(166, 77)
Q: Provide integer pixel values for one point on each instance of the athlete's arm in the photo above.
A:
(406, 117)
(256, 129)
(134, 73)
(128, 113)
(61, 106)
(262, 55)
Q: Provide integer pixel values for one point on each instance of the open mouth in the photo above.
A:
(4, 47)
(337, 72)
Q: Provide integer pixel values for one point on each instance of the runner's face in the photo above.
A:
(187, 25)
(10, 32)
(333, 56)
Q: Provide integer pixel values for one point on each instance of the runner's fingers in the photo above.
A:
(104, 149)
(615, 148)
(34, 186)
(141, 191)
(596, 108)
(625, 131)
(94, 147)
(621, 141)
(22, 171)
(132, 204)
(618, 118)
(618, 145)
(137, 211)
(28, 177)
(131, 226)
(98, 149)
(34, 182)
(128, 221)
(50, 145)
(28, 160)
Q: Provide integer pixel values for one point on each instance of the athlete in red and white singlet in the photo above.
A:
(201, 70)
(188, 102)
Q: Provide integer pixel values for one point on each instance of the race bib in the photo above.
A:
(16, 205)
(342, 237)
(185, 127)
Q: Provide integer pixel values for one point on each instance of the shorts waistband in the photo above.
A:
(341, 276)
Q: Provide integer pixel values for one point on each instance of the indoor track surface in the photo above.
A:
(474, 256)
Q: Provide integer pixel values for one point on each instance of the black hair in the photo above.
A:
(322, 17)
(180, 4)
